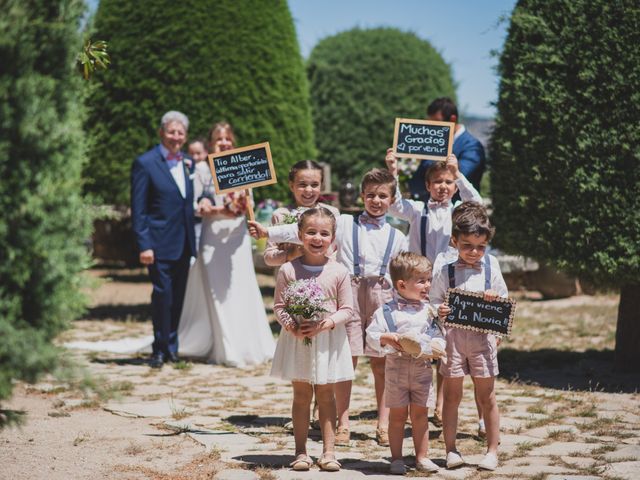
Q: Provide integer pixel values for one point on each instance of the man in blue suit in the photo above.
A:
(163, 224)
(466, 147)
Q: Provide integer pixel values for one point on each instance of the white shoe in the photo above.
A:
(397, 467)
(454, 459)
(426, 465)
(489, 462)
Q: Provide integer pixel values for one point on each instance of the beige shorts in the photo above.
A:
(369, 294)
(408, 380)
(470, 353)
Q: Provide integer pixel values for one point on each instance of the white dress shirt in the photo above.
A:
(176, 167)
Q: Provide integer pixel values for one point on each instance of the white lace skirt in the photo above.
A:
(326, 360)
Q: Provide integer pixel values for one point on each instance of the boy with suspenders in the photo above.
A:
(365, 245)
(407, 332)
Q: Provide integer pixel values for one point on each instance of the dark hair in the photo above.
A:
(317, 212)
(444, 105)
(305, 165)
(201, 140)
(216, 128)
(379, 176)
(471, 218)
(406, 264)
(437, 167)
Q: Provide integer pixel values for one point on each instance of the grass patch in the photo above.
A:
(561, 435)
(182, 365)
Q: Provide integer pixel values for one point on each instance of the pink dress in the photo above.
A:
(328, 358)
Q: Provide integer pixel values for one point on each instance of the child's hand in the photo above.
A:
(452, 161)
(391, 339)
(257, 230)
(310, 328)
(293, 251)
(392, 162)
(443, 311)
(490, 295)
(296, 332)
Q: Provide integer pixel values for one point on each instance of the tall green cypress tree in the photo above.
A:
(566, 146)
(211, 59)
(43, 224)
(361, 80)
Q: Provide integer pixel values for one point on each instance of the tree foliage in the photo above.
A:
(212, 60)
(43, 224)
(566, 146)
(361, 80)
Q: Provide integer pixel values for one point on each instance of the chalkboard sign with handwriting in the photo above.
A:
(425, 139)
(242, 168)
(470, 311)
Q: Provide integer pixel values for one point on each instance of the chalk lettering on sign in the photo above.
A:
(470, 311)
(242, 168)
(423, 139)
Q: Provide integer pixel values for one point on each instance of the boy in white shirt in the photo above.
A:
(365, 245)
(407, 331)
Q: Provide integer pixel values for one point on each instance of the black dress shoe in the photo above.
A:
(172, 357)
(157, 360)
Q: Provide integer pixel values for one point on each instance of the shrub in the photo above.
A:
(212, 60)
(361, 80)
(43, 224)
(565, 151)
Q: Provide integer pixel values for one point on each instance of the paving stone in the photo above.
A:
(543, 432)
(530, 470)
(580, 462)
(572, 477)
(235, 474)
(509, 441)
(562, 448)
(160, 408)
(626, 470)
(628, 452)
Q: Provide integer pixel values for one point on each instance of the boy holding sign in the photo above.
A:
(470, 352)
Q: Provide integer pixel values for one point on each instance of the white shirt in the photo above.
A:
(409, 319)
(177, 171)
(466, 279)
(438, 219)
(372, 243)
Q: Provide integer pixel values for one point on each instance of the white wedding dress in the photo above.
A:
(223, 317)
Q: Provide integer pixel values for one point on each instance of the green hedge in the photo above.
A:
(361, 80)
(566, 147)
(212, 60)
(43, 223)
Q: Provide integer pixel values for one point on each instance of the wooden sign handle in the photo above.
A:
(250, 205)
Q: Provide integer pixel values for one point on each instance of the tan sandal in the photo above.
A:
(382, 437)
(343, 435)
(329, 464)
(302, 463)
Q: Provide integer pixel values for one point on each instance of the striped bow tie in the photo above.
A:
(403, 303)
(475, 266)
(377, 221)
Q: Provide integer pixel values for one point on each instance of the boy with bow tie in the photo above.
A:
(407, 332)
(470, 352)
(365, 245)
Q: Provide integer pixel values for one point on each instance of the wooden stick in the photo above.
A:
(250, 205)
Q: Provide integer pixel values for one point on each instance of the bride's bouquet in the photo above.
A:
(304, 300)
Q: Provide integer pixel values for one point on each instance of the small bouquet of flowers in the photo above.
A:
(236, 202)
(304, 300)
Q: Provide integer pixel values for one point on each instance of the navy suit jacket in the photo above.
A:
(471, 162)
(162, 219)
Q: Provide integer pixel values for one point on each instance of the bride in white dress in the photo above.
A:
(223, 318)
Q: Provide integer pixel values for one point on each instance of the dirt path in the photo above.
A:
(564, 414)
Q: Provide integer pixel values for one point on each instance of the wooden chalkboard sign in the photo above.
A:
(242, 168)
(427, 139)
(470, 311)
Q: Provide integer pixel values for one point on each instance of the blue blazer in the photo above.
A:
(162, 219)
(471, 162)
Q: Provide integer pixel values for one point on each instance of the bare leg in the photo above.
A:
(343, 398)
(377, 367)
(452, 389)
(302, 395)
(327, 413)
(439, 395)
(419, 430)
(485, 389)
(397, 419)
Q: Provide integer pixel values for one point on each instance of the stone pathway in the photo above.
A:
(240, 416)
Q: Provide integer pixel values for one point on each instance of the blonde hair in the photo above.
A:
(406, 265)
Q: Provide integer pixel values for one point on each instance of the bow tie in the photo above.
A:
(174, 156)
(365, 218)
(434, 204)
(403, 303)
(475, 266)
